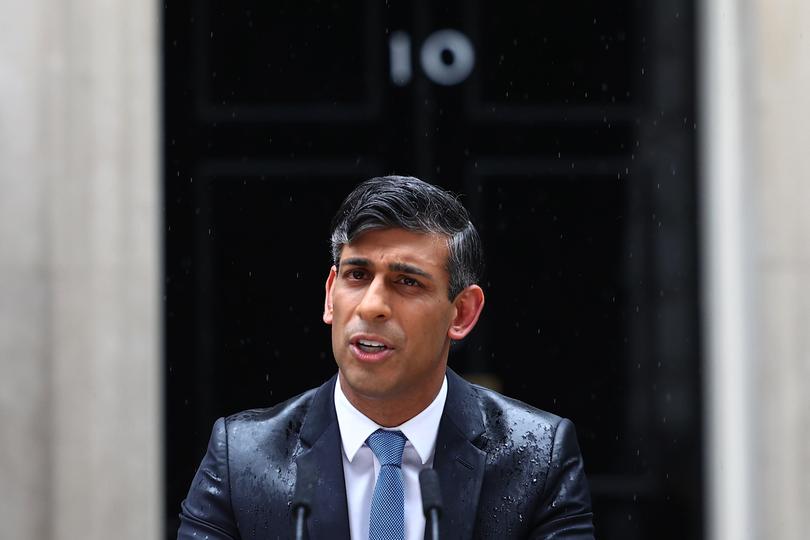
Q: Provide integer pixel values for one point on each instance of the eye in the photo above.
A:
(409, 281)
(355, 274)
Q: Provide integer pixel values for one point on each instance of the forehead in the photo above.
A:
(398, 245)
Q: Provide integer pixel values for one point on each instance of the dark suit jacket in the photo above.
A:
(506, 470)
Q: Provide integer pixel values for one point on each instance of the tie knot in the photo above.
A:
(387, 446)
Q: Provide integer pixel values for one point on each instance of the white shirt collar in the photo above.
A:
(421, 430)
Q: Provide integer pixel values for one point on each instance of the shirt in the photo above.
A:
(361, 466)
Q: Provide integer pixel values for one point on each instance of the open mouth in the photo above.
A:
(369, 346)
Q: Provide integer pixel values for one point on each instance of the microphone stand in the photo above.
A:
(305, 483)
(300, 520)
(434, 523)
(431, 500)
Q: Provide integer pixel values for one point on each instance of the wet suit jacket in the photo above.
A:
(506, 470)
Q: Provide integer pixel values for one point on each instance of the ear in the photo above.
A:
(468, 305)
(327, 302)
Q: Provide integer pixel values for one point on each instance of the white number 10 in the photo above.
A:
(447, 57)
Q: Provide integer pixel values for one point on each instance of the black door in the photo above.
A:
(568, 129)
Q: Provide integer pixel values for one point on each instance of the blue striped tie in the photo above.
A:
(387, 519)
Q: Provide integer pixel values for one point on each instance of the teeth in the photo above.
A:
(370, 343)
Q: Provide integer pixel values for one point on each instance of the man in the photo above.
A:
(403, 286)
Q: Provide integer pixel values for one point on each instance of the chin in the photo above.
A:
(365, 383)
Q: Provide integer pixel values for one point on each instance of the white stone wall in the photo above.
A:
(80, 293)
(781, 106)
(80, 288)
(756, 202)
(24, 285)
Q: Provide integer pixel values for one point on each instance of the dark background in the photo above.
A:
(572, 143)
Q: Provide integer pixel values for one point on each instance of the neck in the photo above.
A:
(392, 411)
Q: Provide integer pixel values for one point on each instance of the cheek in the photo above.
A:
(436, 325)
(338, 304)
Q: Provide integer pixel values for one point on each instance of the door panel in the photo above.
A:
(569, 131)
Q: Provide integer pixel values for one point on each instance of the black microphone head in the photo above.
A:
(306, 481)
(431, 493)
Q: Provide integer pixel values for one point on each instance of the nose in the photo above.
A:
(374, 305)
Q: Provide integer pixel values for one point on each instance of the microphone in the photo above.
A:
(305, 484)
(431, 499)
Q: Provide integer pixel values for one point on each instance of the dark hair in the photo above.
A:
(405, 202)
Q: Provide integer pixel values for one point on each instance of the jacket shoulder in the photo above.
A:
(274, 412)
(235, 471)
(508, 417)
(534, 471)
(276, 425)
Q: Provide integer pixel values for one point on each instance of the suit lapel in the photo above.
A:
(320, 441)
(458, 462)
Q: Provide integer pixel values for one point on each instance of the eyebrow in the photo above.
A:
(394, 267)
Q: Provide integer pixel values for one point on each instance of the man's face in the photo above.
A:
(390, 315)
